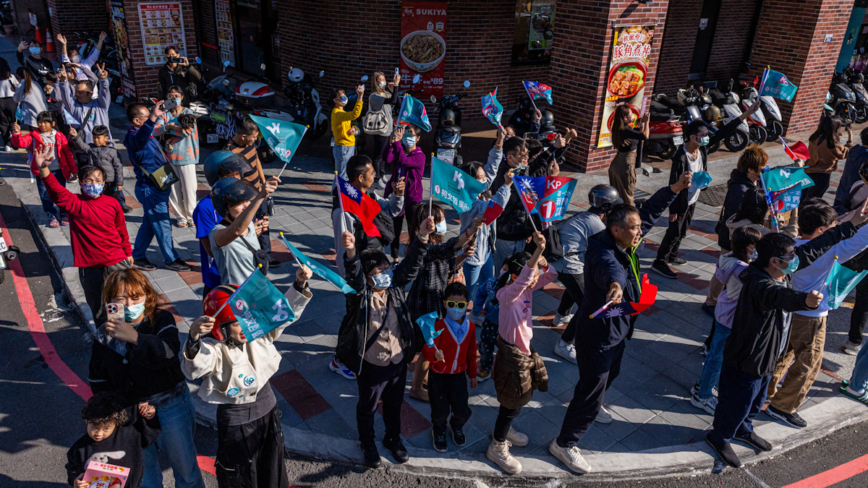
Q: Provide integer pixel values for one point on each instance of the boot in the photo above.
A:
(498, 453)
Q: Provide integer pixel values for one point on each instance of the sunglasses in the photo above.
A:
(451, 304)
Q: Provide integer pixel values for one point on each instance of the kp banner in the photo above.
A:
(282, 137)
(783, 179)
(423, 47)
(413, 112)
(426, 324)
(777, 85)
(259, 306)
(840, 283)
(538, 91)
(631, 53)
(453, 186)
(548, 196)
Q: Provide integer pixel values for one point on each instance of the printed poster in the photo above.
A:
(628, 72)
(162, 26)
(119, 25)
(225, 35)
(423, 47)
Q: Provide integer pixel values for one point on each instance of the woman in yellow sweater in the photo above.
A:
(342, 128)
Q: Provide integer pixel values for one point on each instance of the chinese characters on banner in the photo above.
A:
(423, 47)
(162, 26)
(628, 73)
(119, 24)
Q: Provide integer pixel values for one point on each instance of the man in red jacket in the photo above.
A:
(453, 356)
(100, 243)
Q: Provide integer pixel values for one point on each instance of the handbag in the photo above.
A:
(260, 256)
(378, 121)
(164, 176)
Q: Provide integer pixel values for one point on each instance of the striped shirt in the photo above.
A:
(250, 154)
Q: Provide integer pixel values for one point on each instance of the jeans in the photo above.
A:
(675, 233)
(740, 399)
(476, 274)
(504, 249)
(713, 361)
(177, 427)
(47, 204)
(574, 293)
(859, 378)
(154, 223)
(859, 317)
(342, 154)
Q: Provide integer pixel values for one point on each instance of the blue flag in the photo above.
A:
(70, 120)
(492, 109)
(840, 283)
(282, 137)
(322, 271)
(20, 114)
(701, 179)
(259, 306)
(782, 179)
(536, 90)
(531, 189)
(413, 112)
(777, 84)
(426, 323)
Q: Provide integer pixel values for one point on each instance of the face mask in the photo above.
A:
(792, 266)
(76, 58)
(93, 191)
(344, 99)
(382, 84)
(704, 141)
(383, 280)
(440, 228)
(35, 50)
(752, 256)
(456, 314)
(132, 312)
(408, 141)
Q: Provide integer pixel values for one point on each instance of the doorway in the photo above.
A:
(704, 39)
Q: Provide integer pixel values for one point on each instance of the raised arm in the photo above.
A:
(224, 236)
(409, 267)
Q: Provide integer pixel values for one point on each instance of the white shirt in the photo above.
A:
(695, 165)
(7, 87)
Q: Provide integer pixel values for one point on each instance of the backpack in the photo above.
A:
(378, 121)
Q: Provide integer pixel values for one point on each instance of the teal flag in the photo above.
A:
(282, 137)
(777, 85)
(840, 283)
(492, 109)
(782, 179)
(259, 306)
(320, 270)
(426, 323)
(413, 112)
(453, 186)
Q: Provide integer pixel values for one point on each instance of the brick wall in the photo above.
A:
(682, 25)
(730, 39)
(74, 15)
(791, 34)
(206, 28)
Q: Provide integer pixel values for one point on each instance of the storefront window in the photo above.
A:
(534, 31)
(253, 40)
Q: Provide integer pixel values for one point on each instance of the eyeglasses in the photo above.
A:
(787, 258)
(451, 304)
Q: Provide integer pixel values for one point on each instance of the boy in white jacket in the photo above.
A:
(250, 450)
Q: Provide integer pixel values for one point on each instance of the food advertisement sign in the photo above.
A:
(162, 26)
(225, 36)
(628, 73)
(423, 47)
(119, 25)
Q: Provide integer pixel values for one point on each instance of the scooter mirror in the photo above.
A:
(416, 78)
(466, 84)
(198, 60)
(225, 82)
(364, 78)
(321, 74)
(433, 99)
(262, 66)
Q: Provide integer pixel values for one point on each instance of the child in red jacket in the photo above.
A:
(63, 166)
(453, 356)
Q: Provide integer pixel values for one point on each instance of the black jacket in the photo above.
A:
(38, 68)
(605, 263)
(737, 186)
(680, 165)
(354, 328)
(182, 77)
(759, 332)
(514, 223)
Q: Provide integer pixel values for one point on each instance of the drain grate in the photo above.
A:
(713, 195)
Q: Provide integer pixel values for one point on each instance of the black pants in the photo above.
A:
(448, 392)
(859, 316)
(379, 143)
(251, 455)
(264, 238)
(740, 399)
(378, 383)
(92, 280)
(398, 223)
(8, 107)
(573, 294)
(821, 184)
(598, 368)
(675, 233)
(111, 190)
(505, 418)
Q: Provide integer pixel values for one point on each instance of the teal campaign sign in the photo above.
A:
(840, 283)
(453, 186)
(777, 85)
(259, 306)
(282, 137)
(318, 269)
(782, 179)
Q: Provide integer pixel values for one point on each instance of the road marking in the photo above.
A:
(759, 481)
(834, 475)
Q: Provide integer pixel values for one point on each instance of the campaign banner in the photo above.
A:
(453, 186)
(423, 47)
(492, 109)
(259, 306)
(547, 196)
(319, 269)
(282, 137)
(628, 73)
(777, 85)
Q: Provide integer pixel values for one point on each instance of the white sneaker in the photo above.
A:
(342, 370)
(562, 319)
(709, 404)
(851, 349)
(566, 350)
(571, 456)
(604, 417)
(515, 438)
(498, 453)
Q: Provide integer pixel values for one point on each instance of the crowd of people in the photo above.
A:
(769, 312)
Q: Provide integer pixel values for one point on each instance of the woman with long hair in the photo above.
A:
(30, 99)
(8, 85)
(825, 150)
(383, 98)
(622, 171)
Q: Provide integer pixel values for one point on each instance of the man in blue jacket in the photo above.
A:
(611, 273)
(146, 154)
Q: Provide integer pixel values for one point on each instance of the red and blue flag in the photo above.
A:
(536, 90)
(548, 196)
(492, 212)
(646, 298)
(357, 203)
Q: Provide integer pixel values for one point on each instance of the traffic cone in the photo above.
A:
(49, 41)
(39, 38)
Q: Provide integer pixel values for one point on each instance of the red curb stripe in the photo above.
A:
(834, 475)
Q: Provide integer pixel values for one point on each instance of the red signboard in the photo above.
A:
(423, 47)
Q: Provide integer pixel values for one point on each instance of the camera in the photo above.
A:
(174, 59)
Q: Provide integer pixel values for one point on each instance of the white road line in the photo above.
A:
(759, 481)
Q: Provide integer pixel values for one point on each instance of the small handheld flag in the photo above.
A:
(20, 114)
(426, 324)
(354, 201)
(69, 119)
(259, 306)
(647, 297)
(318, 269)
(798, 151)
(840, 283)
(454, 186)
(413, 112)
(282, 137)
(492, 109)
(492, 212)
(536, 90)
(777, 85)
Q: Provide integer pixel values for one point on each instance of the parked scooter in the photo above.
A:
(305, 106)
(7, 253)
(665, 134)
(842, 99)
(723, 97)
(855, 80)
(770, 110)
(447, 136)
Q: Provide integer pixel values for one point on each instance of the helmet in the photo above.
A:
(295, 75)
(604, 197)
(228, 192)
(215, 299)
(228, 162)
(712, 113)
(548, 119)
(447, 117)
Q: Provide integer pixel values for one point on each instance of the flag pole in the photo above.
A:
(529, 96)
(431, 190)
(769, 202)
(290, 156)
(285, 243)
(601, 309)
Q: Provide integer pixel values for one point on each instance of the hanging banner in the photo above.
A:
(423, 47)
(162, 26)
(119, 24)
(628, 73)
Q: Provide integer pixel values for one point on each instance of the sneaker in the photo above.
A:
(707, 404)
(177, 266)
(562, 319)
(8, 149)
(694, 390)
(52, 221)
(791, 419)
(754, 441)
(709, 309)
(498, 453)
(399, 452)
(342, 370)
(660, 268)
(724, 452)
(64, 221)
(603, 416)
(182, 223)
(372, 457)
(515, 438)
(144, 265)
(703, 351)
(571, 456)
(566, 351)
(458, 437)
(438, 439)
(482, 375)
(678, 261)
(126, 208)
(850, 348)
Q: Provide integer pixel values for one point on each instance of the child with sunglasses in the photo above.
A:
(453, 356)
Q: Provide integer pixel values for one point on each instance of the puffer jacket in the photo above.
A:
(736, 187)
(517, 375)
(105, 157)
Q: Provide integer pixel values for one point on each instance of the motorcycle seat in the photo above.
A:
(449, 129)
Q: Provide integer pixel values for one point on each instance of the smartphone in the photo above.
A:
(171, 103)
(397, 71)
(174, 59)
(115, 311)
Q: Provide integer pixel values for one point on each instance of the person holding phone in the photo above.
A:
(178, 71)
(181, 144)
(383, 98)
(408, 162)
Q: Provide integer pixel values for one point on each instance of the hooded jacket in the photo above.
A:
(736, 187)
(33, 143)
(105, 157)
(728, 269)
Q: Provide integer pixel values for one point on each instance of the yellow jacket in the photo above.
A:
(341, 123)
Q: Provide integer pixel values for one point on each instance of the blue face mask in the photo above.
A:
(440, 227)
(344, 99)
(409, 140)
(35, 50)
(92, 191)
(704, 141)
(792, 266)
(456, 314)
(383, 280)
(752, 256)
(132, 312)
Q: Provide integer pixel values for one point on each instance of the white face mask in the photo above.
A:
(382, 84)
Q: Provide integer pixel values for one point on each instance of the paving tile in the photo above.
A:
(132, 202)
(640, 440)
(329, 423)
(412, 422)
(539, 429)
(301, 395)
